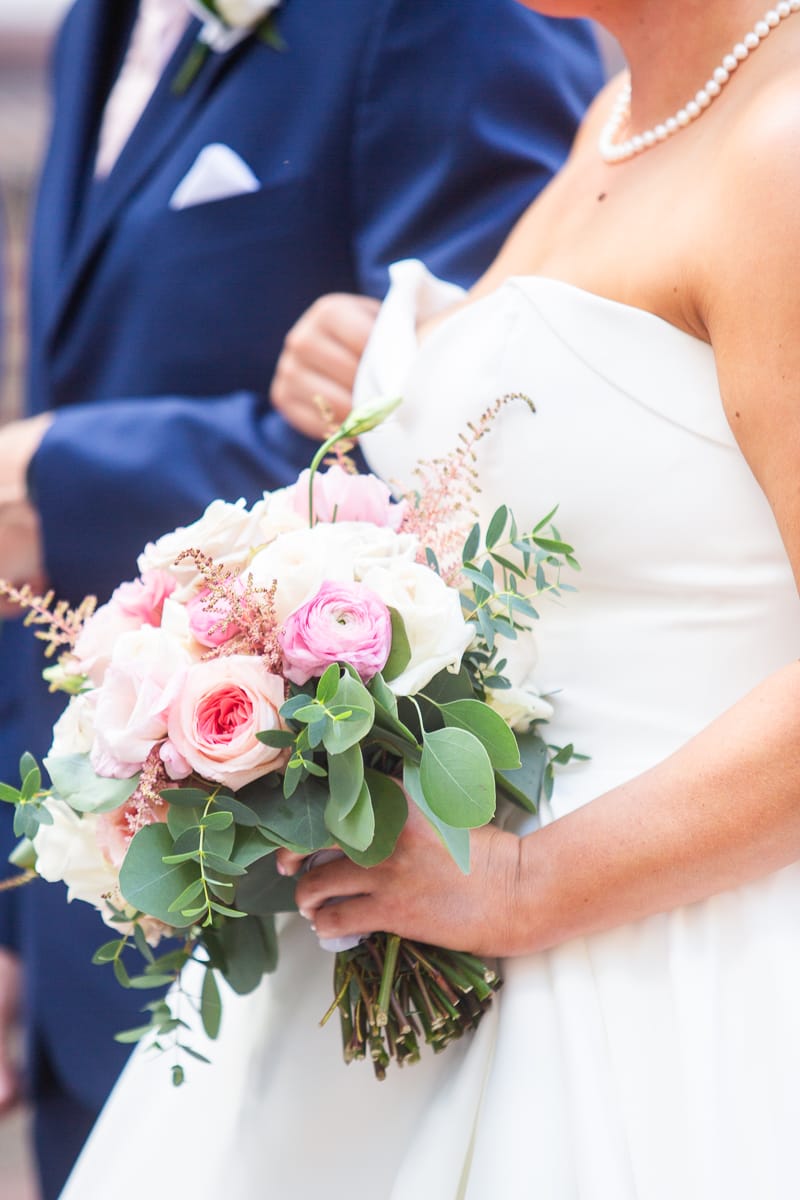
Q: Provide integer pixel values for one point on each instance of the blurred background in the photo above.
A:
(26, 28)
(26, 31)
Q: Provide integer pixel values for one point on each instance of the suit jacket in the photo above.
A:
(385, 128)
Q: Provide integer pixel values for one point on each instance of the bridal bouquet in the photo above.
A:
(291, 674)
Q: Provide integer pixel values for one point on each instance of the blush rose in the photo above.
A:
(221, 706)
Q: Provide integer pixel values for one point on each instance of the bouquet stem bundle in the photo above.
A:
(392, 994)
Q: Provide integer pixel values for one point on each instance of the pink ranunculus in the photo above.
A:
(344, 622)
(339, 496)
(209, 626)
(223, 703)
(143, 598)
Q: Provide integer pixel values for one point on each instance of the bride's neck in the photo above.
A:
(672, 48)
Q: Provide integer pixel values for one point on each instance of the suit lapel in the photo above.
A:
(161, 123)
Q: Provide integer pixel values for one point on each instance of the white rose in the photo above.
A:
(275, 514)
(342, 552)
(69, 851)
(224, 532)
(244, 13)
(131, 711)
(73, 732)
(437, 632)
(519, 706)
(96, 640)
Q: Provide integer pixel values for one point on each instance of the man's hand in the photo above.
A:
(20, 534)
(313, 382)
(10, 988)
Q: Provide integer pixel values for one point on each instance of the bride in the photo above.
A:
(646, 1044)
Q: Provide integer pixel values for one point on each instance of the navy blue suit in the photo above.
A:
(386, 128)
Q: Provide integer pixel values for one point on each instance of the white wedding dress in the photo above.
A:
(659, 1061)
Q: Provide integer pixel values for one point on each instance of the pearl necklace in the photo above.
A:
(616, 152)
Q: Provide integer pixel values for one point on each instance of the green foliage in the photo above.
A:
(457, 778)
(75, 782)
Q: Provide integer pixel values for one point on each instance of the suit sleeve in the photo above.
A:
(109, 477)
(464, 113)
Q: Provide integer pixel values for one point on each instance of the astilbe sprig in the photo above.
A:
(441, 509)
(61, 625)
(239, 603)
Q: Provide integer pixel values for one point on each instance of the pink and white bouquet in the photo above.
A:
(295, 674)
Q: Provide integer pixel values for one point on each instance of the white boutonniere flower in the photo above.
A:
(226, 23)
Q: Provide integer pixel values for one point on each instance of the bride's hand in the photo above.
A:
(419, 892)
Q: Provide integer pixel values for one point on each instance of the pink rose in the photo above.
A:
(209, 626)
(339, 496)
(143, 598)
(344, 622)
(223, 703)
(117, 829)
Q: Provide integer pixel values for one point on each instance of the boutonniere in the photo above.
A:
(225, 24)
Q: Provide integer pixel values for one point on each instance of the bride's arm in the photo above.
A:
(724, 809)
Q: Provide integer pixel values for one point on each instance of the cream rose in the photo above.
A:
(224, 532)
(223, 703)
(69, 851)
(302, 561)
(519, 706)
(73, 732)
(437, 632)
(131, 709)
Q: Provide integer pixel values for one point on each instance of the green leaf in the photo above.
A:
(345, 780)
(448, 686)
(457, 778)
(31, 783)
(383, 696)
(391, 809)
(221, 866)
(188, 894)
(454, 840)
(185, 797)
(9, 794)
(249, 847)
(276, 737)
(129, 1036)
(488, 726)
(217, 820)
(27, 763)
(244, 951)
(529, 777)
(400, 653)
(298, 822)
(329, 681)
(242, 814)
(143, 982)
(293, 705)
(471, 544)
(356, 827)
(263, 890)
(148, 883)
(108, 951)
(121, 974)
(142, 946)
(210, 1005)
(75, 782)
(496, 526)
(181, 820)
(351, 696)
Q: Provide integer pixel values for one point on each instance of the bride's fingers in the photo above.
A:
(289, 863)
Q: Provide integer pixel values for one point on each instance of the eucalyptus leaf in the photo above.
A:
(263, 890)
(383, 696)
(351, 696)
(147, 883)
(345, 780)
(75, 782)
(400, 653)
(454, 840)
(391, 810)
(457, 778)
(496, 526)
(356, 827)
(298, 821)
(528, 778)
(244, 951)
(210, 1005)
(489, 727)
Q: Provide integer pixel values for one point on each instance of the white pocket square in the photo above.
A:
(216, 174)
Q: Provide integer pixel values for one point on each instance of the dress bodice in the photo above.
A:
(630, 439)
